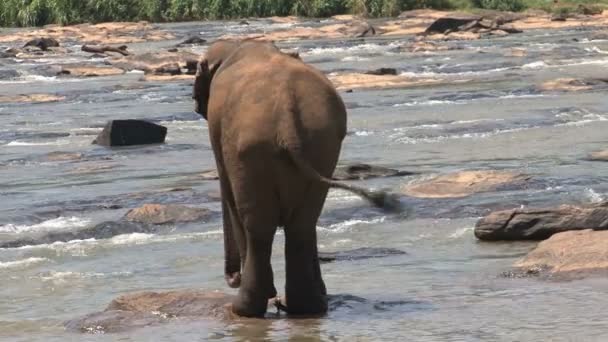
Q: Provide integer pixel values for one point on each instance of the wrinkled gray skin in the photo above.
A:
(276, 127)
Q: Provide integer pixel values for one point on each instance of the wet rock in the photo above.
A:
(89, 71)
(561, 16)
(63, 156)
(539, 224)
(589, 9)
(425, 46)
(9, 53)
(155, 62)
(163, 214)
(359, 29)
(104, 49)
(210, 175)
(151, 308)
(599, 36)
(517, 52)
(244, 22)
(572, 84)
(599, 156)
(358, 81)
(574, 254)
(462, 184)
(382, 71)
(131, 132)
(451, 23)
(365, 171)
(194, 40)
(104, 230)
(359, 254)
(169, 69)
(167, 78)
(42, 43)
(31, 98)
(7, 74)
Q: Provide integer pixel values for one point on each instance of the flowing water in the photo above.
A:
(446, 288)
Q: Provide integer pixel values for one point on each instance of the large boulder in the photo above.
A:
(572, 254)
(540, 224)
(360, 171)
(462, 184)
(131, 132)
(163, 214)
(451, 23)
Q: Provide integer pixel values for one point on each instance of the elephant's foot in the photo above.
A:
(251, 304)
(302, 307)
(233, 279)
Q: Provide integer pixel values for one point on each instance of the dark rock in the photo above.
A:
(42, 43)
(191, 67)
(559, 17)
(382, 71)
(359, 254)
(7, 74)
(540, 224)
(359, 29)
(365, 171)
(131, 132)
(510, 29)
(170, 69)
(244, 22)
(173, 50)
(194, 40)
(589, 10)
(163, 214)
(9, 53)
(599, 36)
(104, 230)
(451, 23)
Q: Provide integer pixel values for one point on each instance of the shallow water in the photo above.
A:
(448, 285)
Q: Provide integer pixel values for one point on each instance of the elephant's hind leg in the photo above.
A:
(257, 205)
(305, 289)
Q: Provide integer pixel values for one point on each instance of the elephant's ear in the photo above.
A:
(202, 85)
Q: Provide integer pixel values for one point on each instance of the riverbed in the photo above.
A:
(487, 113)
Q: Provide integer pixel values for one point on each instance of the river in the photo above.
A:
(448, 287)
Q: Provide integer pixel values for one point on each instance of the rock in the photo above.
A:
(9, 53)
(244, 22)
(31, 98)
(462, 184)
(210, 175)
(138, 310)
(359, 254)
(599, 156)
(559, 16)
(539, 224)
(589, 10)
(451, 23)
(572, 84)
(573, 254)
(8, 74)
(517, 52)
(89, 71)
(358, 81)
(104, 230)
(168, 69)
(365, 171)
(424, 46)
(194, 40)
(382, 71)
(131, 132)
(151, 308)
(359, 29)
(163, 214)
(63, 156)
(155, 62)
(42, 43)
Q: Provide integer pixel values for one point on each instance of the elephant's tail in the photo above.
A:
(381, 199)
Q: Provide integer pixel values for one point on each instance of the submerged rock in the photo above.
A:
(359, 254)
(131, 132)
(573, 254)
(89, 70)
(462, 184)
(63, 156)
(365, 171)
(539, 224)
(194, 40)
(382, 71)
(358, 80)
(163, 214)
(31, 98)
(573, 84)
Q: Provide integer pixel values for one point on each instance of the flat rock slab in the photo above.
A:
(462, 184)
(599, 156)
(359, 81)
(131, 132)
(143, 309)
(569, 254)
(31, 98)
(573, 84)
(163, 214)
(359, 254)
(162, 62)
(540, 224)
(365, 171)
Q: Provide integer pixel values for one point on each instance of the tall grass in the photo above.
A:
(41, 12)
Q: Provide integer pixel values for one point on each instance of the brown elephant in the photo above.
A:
(276, 127)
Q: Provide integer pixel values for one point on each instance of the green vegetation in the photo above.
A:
(41, 12)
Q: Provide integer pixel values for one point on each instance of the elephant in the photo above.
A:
(276, 127)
